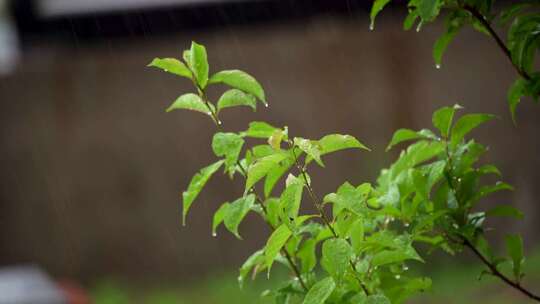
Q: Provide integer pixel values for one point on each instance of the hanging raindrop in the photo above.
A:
(371, 26)
(266, 105)
(214, 234)
(437, 66)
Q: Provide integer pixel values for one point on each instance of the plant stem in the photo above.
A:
(482, 19)
(290, 260)
(318, 204)
(494, 271)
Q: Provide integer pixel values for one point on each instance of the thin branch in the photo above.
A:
(482, 19)
(318, 204)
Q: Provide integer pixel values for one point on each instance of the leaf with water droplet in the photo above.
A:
(241, 81)
(171, 65)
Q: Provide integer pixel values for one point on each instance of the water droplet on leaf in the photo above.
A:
(437, 66)
(214, 234)
(398, 277)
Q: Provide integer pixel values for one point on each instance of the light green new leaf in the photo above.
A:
(275, 174)
(442, 119)
(404, 252)
(516, 91)
(218, 217)
(256, 258)
(260, 129)
(191, 102)
(171, 65)
(320, 291)
(377, 7)
(377, 299)
(290, 199)
(235, 213)
(336, 254)
(402, 135)
(311, 148)
(228, 145)
(307, 255)
(337, 142)
(505, 210)
(234, 98)
(195, 186)
(514, 246)
(262, 167)
(275, 242)
(240, 80)
(465, 124)
(198, 62)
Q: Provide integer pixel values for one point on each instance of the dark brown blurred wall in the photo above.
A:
(92, 167)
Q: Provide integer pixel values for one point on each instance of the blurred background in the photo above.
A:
(92, 168)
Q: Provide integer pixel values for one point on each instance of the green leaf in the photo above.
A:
(290, 199)
(514, 246)
(275, 242)
(275, 174)
(466, 124)
(195, 186)
(505, 210)
(402, 135)
(442, 43)
(442, 119)
(240, 80)
(320, 291)
(410, 20)
(256, 258)
(218, 217)
(262, 167)
(235, 213)
(516, 91)
(428, 9)
(377, 7)
(234, 98)
(191, 102)
(198, 62)
(489, 169)
(357, 235)
(377, 299)
(337, 142)
(310, 147)
(228, 145)
(171, 65)
(336, 255)
(275, 139)
(259, 129)
(307, 255)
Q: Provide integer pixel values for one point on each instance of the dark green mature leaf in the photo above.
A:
(240, 80)
(428, 9)
(377, 7)
(311, 148)
(320, 291)
(191, 102)
(198, 62)
(234, 98)
(195, 186)
(442, 119)
(260, 129)
(410, 20)
(218, 217)
(505, 210)
(467, 123)
(385, 257)
(235, 213)
(262, 167)
(171, 65)
(275, 242)
(256, 258)
(516, 91)
(228, 145)
(336, 254)
(514, 246)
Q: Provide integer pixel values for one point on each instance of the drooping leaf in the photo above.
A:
(259, 129)
(336, 254)
(195, 186)
(505, 210)
(516, 91)
(171, 65)
(198, 62)
(240, 80)
(234, 98)
(467, 123)
(310, 147)
(235, 213)
(514, 246)
(275, 174)
(228, 145)
(256, 258)
(262, 167)
(218, 217)
(320, 291)
(191, 102)
(377, 7)
(275, 242)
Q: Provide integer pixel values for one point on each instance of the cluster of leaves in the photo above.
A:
(522, 18)
(357, 245)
